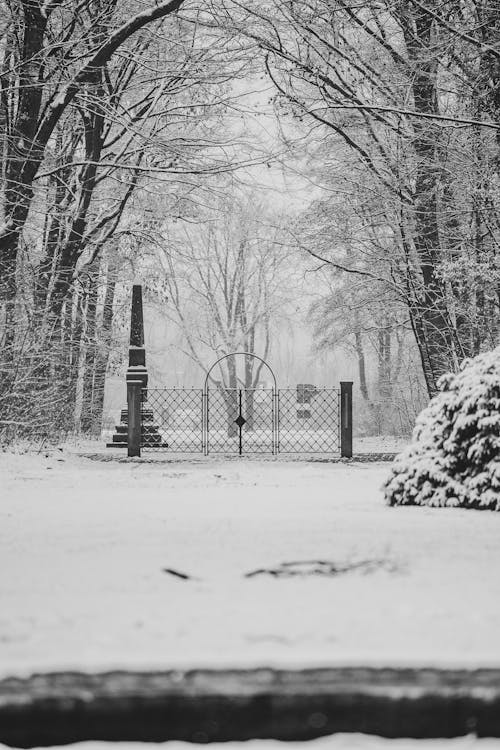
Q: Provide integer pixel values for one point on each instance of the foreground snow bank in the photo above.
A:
(454, 458)
(333, 742)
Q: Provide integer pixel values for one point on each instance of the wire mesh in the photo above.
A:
(240, 420)
(172, 419)
(243, 421)
(309, 422)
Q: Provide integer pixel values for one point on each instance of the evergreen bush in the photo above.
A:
(454, 456)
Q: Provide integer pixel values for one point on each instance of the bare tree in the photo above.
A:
(53, 54)
(225, 279)
(100, 103)
(399, 91)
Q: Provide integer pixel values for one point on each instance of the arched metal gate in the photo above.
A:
(244, 420)
(240, 419)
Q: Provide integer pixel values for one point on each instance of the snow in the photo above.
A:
(333, 742)
(378, 444)
(84, 544)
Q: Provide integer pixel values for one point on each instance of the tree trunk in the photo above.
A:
(363, 385)
(103, 351)
(231, 398)
(431, 323)
(23, 153)
(90, 359)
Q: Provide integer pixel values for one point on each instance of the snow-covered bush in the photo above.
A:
(454, 456)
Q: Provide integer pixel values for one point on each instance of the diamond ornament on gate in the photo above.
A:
(240, 421)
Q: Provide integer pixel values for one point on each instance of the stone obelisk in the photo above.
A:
(136, 351)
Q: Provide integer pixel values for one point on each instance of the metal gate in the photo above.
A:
(241, 420)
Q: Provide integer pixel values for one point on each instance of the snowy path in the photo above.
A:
(83, 545)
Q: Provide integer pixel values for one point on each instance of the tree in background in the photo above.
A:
(365, 323)
(224, 278)
(55, 57)
(96, 108)
(401, 96)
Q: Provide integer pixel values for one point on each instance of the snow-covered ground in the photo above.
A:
(84, 546)
(378, 444)
(334, 742)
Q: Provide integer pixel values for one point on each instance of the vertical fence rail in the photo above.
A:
(240, 426)
(206, 421)
(277, 410)
(203, 420)
(346, 419)
(274, 422)
(134, 431)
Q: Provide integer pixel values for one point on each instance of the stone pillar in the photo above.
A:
(346, 419)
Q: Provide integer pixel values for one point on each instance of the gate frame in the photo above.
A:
(275, 412)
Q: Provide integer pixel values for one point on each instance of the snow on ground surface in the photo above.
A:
(84, 545)
(379, 444)
(372, 444)
(333, 742)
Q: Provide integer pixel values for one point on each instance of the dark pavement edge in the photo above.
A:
(232, 705)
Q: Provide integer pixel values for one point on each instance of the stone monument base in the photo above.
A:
(150, 434)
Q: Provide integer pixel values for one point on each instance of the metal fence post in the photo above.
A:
(346, 419)
(134, 399)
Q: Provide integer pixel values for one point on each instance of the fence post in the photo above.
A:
(346, 419)
(134, 399)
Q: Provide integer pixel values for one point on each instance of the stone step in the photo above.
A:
(122, 429)
(150, 434)
(147, 416)
(148, 444)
